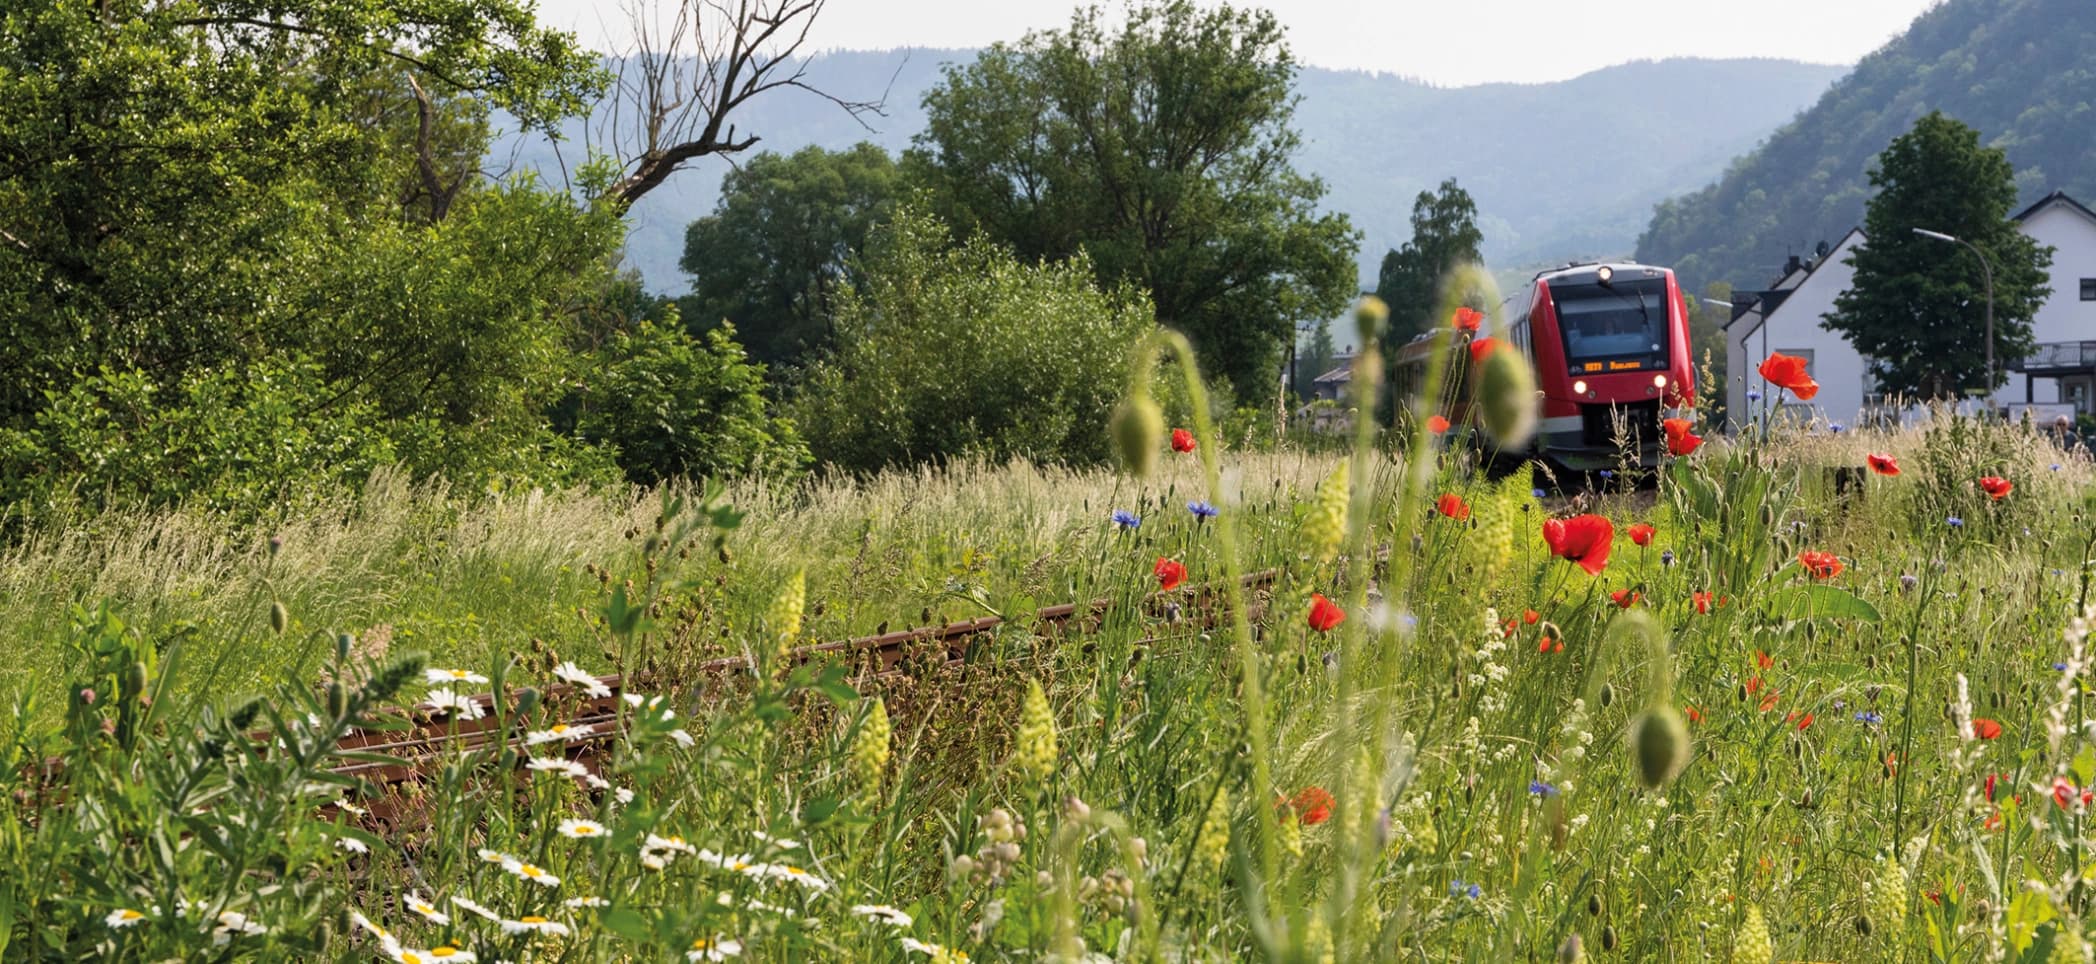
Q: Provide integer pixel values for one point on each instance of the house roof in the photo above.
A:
(2056, 197)
(1768, 301)
(1343, 373)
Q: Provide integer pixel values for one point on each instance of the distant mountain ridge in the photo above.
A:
(2017, 70)
(1560, 170)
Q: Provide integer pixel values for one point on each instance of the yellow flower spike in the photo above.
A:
(870, 749)
(1036, 753)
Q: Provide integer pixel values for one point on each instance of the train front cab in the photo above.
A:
(1610, 346)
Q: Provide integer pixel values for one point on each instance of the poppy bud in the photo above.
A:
(337, 700)
(135, 680)
(279, 618)
(1138, 432)
(1506, 396)
(1608, 695)
(1863, 924)
(1768, 516)
(1660, 737)
(1369, 315)
(1594, 904)
(1608, 938)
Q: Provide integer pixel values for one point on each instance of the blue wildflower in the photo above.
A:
(1606, 474)
(2055, 466)
(1753, 394)
(1835, 427)
(2060, 667)
(1126, 519)
(1538, 493)
(1541, 789)
(1201, 509)
(1955, 522)
(1869, 716)
(1458, 889)
(1666, 557)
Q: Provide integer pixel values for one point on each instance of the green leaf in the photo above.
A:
(1820, 602)
(627, 923)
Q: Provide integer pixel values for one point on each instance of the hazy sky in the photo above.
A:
(1447, 42)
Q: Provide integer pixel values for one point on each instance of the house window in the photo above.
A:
(1805, 353)
(2088, 289)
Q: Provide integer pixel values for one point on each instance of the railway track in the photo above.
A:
(434, 732)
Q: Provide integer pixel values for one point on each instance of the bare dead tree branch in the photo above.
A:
(681, 83)
(440, 193)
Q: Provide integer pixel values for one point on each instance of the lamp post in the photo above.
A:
(1987, 275)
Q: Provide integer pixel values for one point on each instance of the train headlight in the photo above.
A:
(1579, 387)
(1659, 381)
(1605, 273)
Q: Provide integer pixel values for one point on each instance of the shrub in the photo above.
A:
(675, 405)
(963, 350)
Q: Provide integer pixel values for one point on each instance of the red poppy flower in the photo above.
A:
(1312, 805)
(1547, 643)
(1768, 702)
(1882, 464)
(1994, 820)
(2065, 793)
(1182, 440)
(1990, 786)
(1788, 372)
(1802, 720)
(1680, 441)
(1702, 600)
(1324, 614)
(1996, 487)
(1584, 539)
(1763, 660)
(1468, 319)
(1170, 573)
(1436, 424)
(1985, 729)
(1821, 565)
(1694, 715)
(1624, 598)
(1530, 616)
(1642, 534)
(1452, 506)
(1753, 685)
(1482, 347)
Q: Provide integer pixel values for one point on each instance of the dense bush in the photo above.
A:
(673, 405)
(963, 350)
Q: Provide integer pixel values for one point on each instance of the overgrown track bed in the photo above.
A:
(434, 732)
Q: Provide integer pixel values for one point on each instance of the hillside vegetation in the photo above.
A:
(2017, 70)
(1553, 177)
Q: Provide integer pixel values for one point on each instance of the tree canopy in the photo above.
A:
(1444, 234)
(1162, 149)
(1917, 308)
(779, 243)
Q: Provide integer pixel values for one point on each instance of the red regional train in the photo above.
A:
(1610, 346)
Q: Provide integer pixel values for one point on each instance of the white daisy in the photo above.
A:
(786, 872)
(940, 955)
(351, 808)
(363, 923)
(725, 862)
(446, 677)
(638, 701)
(670, 844)
(426, 910)
(577, 903)
(652, 860)
(468, 905)
(578, 829)
(554, 764)
(623, 795)
(531, 872)
(124, 917)
(571, 673)
(713, 950)
(683, 739)
(782, 843)
(233, 924)
(594, 781)
(459, 705)
(402, 955)
(532, 923)
(556, 733)
(884, 913)
(353, 845)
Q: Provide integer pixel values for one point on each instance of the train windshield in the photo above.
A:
(1618, 328)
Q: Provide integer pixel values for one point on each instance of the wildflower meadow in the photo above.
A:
(1794, 694)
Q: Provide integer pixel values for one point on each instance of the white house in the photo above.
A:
(1788, 318)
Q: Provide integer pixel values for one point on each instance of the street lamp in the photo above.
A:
(1987, 275)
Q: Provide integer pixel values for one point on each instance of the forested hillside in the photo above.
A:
(1558, 170)
(2018, 70)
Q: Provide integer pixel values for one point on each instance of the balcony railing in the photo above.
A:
(2058, 356)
